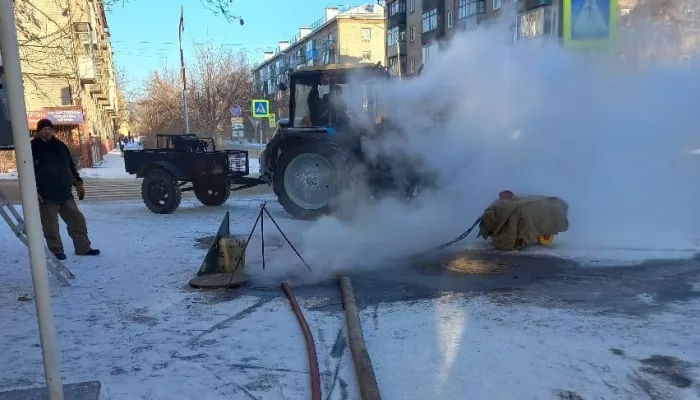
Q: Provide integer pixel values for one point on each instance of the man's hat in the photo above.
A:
(44, 123)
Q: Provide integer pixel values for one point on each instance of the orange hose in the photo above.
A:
(310, 347)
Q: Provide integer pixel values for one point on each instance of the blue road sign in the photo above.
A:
(261, 108)
(236, 111)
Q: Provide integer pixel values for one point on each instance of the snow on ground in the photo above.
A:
(130, 321)
(600, 256)
(9, 176)
(111, 167)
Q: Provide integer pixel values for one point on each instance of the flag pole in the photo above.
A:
(182, 70)
(30, 202)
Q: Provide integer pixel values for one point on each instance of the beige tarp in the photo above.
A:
(514, 223)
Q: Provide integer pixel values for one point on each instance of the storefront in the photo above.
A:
(71, 128)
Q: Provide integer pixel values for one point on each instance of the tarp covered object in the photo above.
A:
(519, 221)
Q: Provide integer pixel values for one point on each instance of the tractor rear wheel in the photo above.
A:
(308, 179)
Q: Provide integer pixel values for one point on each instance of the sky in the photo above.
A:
(145, 32)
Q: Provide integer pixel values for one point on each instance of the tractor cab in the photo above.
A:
(334, 98)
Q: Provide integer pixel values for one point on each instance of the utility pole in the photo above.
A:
(27, 184)
(182, 69)
(398, 55)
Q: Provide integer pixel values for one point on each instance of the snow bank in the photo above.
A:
(9, 176)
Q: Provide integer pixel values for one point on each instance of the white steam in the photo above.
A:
(610, 139)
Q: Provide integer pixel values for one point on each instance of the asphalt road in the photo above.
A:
(114, 190)
(514, 278)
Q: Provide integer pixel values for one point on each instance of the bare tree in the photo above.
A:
(125, 100)
(218, 79)
(218, 7)
(662, 30)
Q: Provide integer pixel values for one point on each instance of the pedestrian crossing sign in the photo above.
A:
(261, 108)
(590, 24)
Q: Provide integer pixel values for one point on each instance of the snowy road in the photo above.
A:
(543, 328)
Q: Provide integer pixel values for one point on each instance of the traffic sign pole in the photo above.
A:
(30, 203)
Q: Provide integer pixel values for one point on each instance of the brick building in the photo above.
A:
(342, 35)
(69, 74)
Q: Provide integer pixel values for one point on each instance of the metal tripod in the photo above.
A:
(16, 223)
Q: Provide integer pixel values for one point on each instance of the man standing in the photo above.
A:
(56, 175)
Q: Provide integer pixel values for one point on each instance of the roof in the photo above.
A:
(336, 67)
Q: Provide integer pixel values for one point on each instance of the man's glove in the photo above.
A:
(80, 189)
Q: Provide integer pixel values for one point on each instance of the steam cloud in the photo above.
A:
(610, 138)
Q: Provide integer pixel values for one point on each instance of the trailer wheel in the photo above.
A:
(160, 192)
(212, 193)
(308, 178)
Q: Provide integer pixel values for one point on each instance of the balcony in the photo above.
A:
(527, 5)
(86, 70)
(539, 22)
(96, 88)
(394, 50)
(81, 27)
(396, 20)
(471, 22)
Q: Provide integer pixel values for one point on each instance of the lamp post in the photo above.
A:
(30, 202)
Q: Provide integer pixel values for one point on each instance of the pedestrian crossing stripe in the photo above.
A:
(261, 108)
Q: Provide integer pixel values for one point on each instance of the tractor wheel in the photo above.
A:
(160, 192)
(308, 178)
(212, 194)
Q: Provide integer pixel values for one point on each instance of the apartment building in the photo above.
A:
(69, 74)
(343, 35)
(418, 29)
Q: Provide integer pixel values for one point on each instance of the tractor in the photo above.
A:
(317, 152)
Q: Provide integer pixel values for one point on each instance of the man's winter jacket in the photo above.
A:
(55, 170)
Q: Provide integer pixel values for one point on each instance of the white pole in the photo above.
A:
(181, 29)
(30, 201)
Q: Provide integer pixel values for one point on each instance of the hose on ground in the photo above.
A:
(310, 346)
(366, 379)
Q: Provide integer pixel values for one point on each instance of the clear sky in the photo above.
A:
(145, 32)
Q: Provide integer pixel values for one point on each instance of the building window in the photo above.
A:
(496, 4)
(366, 56)
(429, 52)
(412, 65)
(450, 19)
(430, 20)
(412, 36)
(366, 34)
(412, 5)
(397, 7)
(467, 8)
